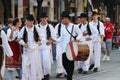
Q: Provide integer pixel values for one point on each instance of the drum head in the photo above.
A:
(69, 51)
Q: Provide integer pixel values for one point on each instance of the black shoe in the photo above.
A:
(85, 72)
(65, 76)
(95, 70)
(58, 75)
(91, 66)
(17, 77)
(80, 70)
(47, 77)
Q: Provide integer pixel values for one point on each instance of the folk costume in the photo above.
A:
(59, 65)
(86, 29)
(45, 50)
(31, 61)
(99, 31)
(66, 37)
(4, 49)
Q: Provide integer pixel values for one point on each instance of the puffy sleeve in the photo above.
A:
(40, 33)
(78, 32)
(102, 29)
(5, 44)
(53, 33)
(20, 35)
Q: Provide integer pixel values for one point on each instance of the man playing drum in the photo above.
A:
(67, 33)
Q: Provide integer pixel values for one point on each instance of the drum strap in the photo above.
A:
(71, 33)
(72, 50)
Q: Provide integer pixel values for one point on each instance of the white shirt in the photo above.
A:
(96, 33)
(31, 42)
(5, 44)
(53, 34)
(15, 34)
(65, 36)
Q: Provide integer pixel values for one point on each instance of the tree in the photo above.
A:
(7, 9)
(39, 8)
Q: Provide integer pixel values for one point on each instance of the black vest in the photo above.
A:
(1, 52)
(0, 38)
(88, 29)
(59, 29)
(98, 26)
(25, 35)
(48, 32)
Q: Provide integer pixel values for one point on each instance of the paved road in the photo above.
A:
(108, 71)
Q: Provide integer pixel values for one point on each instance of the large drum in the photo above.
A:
(78, 51)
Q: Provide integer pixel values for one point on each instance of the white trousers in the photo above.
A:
(59, 65)
(96, 53)
(31, 66)
(46, 59)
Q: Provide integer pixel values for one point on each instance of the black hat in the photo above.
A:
(65, 14)
(30, 17)
(94, 13)
(83, 15)
(43, 15)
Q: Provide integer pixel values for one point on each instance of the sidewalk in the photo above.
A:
(108, 71)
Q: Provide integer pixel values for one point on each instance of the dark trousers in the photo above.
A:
(68, 66)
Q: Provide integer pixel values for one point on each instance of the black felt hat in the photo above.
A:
(30, 17)
(65, 14)
(43, 15)
(83, 15)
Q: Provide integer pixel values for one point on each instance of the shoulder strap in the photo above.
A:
(71, 33)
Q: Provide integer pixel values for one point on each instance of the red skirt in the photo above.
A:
(17, 58)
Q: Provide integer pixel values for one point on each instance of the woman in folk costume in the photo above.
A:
(45, 48)
(88, 35)
(69, 33)
(97, 41)
(4, 49)
(59, 66)
(31, 37)
(12, 34)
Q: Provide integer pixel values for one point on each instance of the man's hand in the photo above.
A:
(39, 43)
(49, 42)
(25, 45)
(88, 39)
(76, 40)
(84, 33)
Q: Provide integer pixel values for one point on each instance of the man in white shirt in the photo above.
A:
(97, 41)
(65, 39)
(45, 48)
(31, 37)
(87, 32)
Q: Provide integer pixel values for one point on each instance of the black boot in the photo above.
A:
(91, 66)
